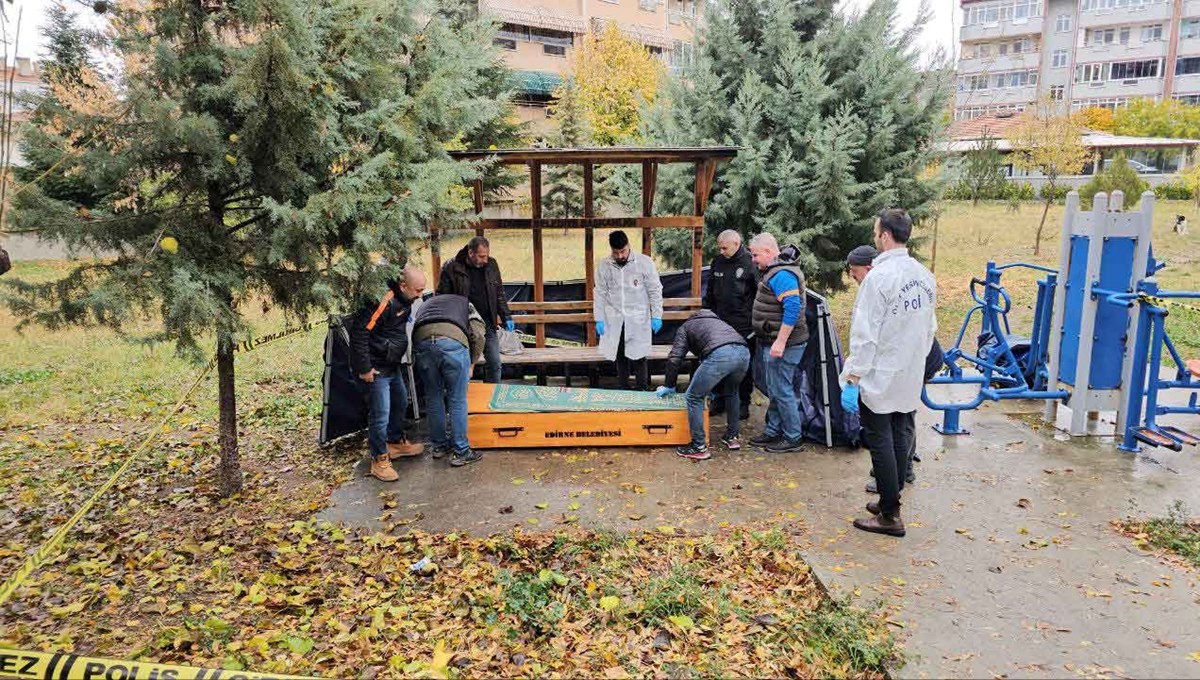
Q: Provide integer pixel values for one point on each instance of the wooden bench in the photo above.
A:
(579, 311)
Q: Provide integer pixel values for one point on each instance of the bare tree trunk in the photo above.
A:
(933, 256)
(1037, 243)
(229, 472)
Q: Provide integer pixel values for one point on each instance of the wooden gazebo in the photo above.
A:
(539, 312)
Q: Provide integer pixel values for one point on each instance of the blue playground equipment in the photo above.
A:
(1098, 333)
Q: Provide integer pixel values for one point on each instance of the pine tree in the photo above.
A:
(260, 149)
(833, 116)
(564, 191)
(982, 172)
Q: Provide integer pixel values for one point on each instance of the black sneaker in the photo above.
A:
(731, 443)
(694, 452)
(764, 440)
(785, 445)
(461, 458)
(910, 477)
(439, 451)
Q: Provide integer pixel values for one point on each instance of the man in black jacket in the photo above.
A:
(724, 361)
(730, 294)
(378, 343)
(474, 275)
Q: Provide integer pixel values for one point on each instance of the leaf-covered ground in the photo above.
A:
(1176, 536)
(163, 569)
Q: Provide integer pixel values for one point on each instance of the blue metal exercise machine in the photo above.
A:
(1099, 329)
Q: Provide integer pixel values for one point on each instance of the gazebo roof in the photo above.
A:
(608, 154)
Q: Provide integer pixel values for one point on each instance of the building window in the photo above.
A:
(514, 33)
(1111, 103)
(1152, 33)
(1134, 70)
(1011, 10)
(505, 43)
(1118, 4)
(1191, 99)
(1187, 66)
(549, 37)
(554, 50)
(648, 5)
(1057, 92)
(1058, 59)
(1063, 23)
(1189, 29)
(1125, 35)
(1091, 73)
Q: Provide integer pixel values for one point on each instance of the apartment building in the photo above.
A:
(538, 37)
(1081, 52)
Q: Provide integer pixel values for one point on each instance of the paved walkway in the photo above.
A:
(1010, 567)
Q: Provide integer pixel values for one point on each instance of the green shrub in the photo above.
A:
(1175, 191)
(1116, 176)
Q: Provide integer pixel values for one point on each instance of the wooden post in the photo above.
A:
(589, 245)
(704, 175)
(539, 281)
(649, 184)
(435, 253)
(477, 191)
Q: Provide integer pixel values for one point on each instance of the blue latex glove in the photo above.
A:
(656, 325)
(510, 326)
(850, 398)
(664, 391)
(599, 328)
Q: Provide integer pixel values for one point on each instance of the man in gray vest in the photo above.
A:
(449, 336)
(779, 326)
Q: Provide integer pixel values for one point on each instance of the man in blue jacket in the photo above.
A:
(782, 333)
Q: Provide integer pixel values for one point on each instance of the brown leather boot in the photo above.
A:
(404, 449)
(882, 524)
(381, 469)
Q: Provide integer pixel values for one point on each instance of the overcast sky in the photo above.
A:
(939, 32)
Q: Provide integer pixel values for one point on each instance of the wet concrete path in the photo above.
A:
(1010, 566)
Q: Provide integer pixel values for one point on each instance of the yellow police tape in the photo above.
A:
(52, 544)
(61, 666)
(1164, 302)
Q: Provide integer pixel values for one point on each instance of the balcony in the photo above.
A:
(1136, 49)
(1001, 29)
(1143, 87)
(1125, 16)
(994, 63)
(995, 96)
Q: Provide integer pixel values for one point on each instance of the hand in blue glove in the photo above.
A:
(656, 325)
(664, 391)
(510, 326)
(599, 328)
(850, 398)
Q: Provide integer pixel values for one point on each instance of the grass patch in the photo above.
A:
(1176, 534)
(23, 376)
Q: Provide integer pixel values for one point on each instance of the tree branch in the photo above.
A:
(245, 223)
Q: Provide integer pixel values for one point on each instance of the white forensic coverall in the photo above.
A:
(627, 297)
(893, 326)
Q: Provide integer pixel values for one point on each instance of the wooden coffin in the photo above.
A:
(497, 429)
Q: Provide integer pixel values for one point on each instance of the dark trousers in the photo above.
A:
(890, 437)
(641, 368)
